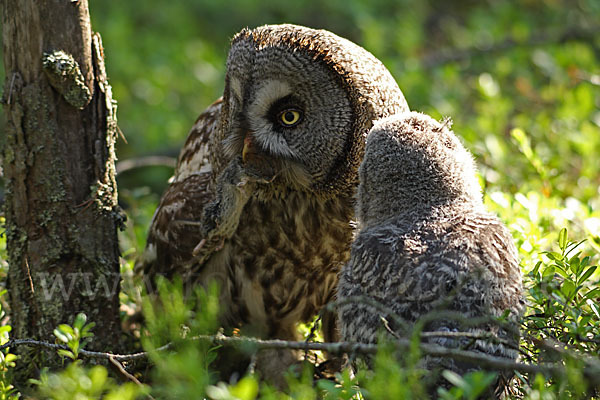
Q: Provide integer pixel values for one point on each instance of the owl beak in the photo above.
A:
(247, 147)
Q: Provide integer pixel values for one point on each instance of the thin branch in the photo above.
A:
(433, 315)
(466, 321)
(564, 350)
(471, 335)
(142, 162)
(368, 301)
(126, 374)
(387, 327)
(592, 372)
(82, 352)
(312, 334)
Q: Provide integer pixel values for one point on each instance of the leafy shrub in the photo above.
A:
(523, 96)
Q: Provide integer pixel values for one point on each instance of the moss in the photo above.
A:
(45, 218)
(65, 76)
(9, 154)
(16, 241)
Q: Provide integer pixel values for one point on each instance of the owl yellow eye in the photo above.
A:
(289, 117)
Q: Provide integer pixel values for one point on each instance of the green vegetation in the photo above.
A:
(521, 81)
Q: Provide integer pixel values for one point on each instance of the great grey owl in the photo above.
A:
(426, 246)
(263, 195)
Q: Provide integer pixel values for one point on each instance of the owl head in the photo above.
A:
(298, 104)
(413, 166)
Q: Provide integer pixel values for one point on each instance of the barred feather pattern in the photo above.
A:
(280, 267)
(427, 246)
(275, 232)
(174, 230)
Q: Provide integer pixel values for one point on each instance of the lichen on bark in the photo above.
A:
(60, 138)
(65, 76)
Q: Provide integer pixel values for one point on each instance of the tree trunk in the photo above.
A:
(61, 196)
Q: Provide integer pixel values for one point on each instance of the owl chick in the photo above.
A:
(426, 245)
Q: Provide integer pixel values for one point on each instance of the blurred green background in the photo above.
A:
(520, 79)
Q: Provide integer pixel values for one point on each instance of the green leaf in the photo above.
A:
(536, 269)
(327, 385)
(594, 308)
(554, 256)
(568, 289)
(245, 389)
(80, 321)
(67, 329)
(592, 294)
(549, 272)
(61, 336)
(585, 261)
(575, 264)
(454, 378)
(562, 272)
(85, 332)
(562, 239)
(66, 353)
(588, 272)
(573, 246)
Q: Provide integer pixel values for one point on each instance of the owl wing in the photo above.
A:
(175, 230)
(415, 274)
(380, 270)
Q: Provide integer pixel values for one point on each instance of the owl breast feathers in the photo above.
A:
(427, 250)
(262, 198)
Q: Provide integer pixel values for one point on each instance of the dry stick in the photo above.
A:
(142, 162)
(85, 353)
(125, 373)
(406, 329)
(483, 360)
(558, 347)
(364, 300)
(311, 335)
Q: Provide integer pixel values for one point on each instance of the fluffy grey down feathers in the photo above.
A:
(426, 248)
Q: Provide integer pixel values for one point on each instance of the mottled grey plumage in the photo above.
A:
(277, 261)
(426, 243)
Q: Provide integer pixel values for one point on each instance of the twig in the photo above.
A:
(465, 321)
(121, 134)
(311, 335)
(252, 365)
(471, 335)
(29, 276)
(364, 300)
(433, 315)
(592, 372)
(387, 327)
(125, 373)
(142, 162)
(84, 353)
(563, 350)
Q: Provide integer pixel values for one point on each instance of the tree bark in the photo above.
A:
(61, 197)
